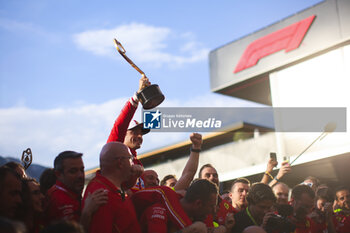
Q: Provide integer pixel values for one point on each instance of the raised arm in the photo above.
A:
(192, 164)
(122, 122)
(285, 168)
(267, 175)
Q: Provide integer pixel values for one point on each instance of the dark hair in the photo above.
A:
(299, 189)
(4, 171)
(201, 169)
(13, 165)
(167, 177)
(260, 192)
(324, 193)
(338, 189)
(225, 192)
(26, 207)
(201, 189)
(240, 180)
(58, 163)
(47, 180)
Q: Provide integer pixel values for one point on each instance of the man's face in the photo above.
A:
(303, 207)
(20, 171)
(10, 196)
(150, 178)
(170, 182)
(260, 209)
(37, 197)
(126, 164)
(133, 138)
(320, 203)
(239, 193)
(73, 175)
(206, 208)
(209, 173)
(343, 199)
(281, 193)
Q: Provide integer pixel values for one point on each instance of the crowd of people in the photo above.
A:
(123, 197)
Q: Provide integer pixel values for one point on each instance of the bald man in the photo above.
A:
(118, 172)
(150, 178)
(281, 191)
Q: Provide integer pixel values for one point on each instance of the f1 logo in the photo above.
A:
(288, 38)
(152, 119)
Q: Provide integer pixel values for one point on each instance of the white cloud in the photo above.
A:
(84, 128)
(144, 43)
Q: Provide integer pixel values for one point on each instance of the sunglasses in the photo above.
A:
(308, 184)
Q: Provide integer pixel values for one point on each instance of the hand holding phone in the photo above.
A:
(273, 157)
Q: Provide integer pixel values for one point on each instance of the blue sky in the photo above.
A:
(62, 82)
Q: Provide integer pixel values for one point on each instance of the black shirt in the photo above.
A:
(242, 221)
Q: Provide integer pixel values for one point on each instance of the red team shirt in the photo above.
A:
(159, 210)
(118, 215)
(307, 226)
(225, 207)
(342, 222)
(121, 125)
(63, 203)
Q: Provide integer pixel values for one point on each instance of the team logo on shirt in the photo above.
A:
(152, 119)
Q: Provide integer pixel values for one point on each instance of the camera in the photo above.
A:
(280, 223)
(277, 223)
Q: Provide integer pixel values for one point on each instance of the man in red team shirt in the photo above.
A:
(150, 178)
(162, 210)
(342, 209)
(223, 208)
(64, 198)
(117, 168)
(302, 201)
(125, 129)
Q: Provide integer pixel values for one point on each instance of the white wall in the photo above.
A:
(323, 81)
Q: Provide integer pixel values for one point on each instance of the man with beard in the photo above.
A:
(64, 198)
(223, 207)
(117, 170)
(302, 201)
(322, 215)
(342, 209)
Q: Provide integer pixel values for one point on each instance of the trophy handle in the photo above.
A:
(150, 96)
(122, 52)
